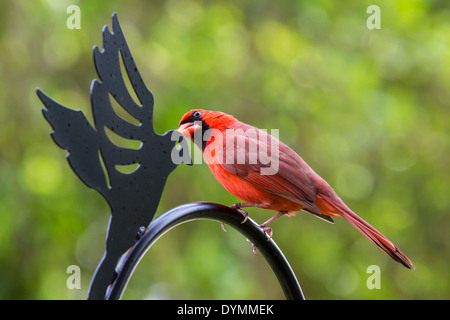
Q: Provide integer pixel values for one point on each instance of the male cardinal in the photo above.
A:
(237, 155)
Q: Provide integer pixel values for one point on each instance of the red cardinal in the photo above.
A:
(238, 154)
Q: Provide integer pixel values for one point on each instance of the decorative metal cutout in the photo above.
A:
(133, 197)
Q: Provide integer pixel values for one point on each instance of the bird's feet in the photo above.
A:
(267, 230)
(237, 208)
(243, 212)
(253, 246)
(223, 227)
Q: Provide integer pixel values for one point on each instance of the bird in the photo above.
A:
(238, 156)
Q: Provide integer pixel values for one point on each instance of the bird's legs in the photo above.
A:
(238, 206)
(265, 227)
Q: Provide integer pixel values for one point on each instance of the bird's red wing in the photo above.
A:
(280, 186)
(289, 181)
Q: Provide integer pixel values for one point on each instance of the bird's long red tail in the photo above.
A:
(370, 232)
(376, 237)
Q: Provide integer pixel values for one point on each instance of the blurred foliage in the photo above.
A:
(367, 109)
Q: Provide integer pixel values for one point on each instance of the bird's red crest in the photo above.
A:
(214, 119)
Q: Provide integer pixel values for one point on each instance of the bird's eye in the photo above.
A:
(196, 114)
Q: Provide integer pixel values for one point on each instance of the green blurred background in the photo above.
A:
(367, 109)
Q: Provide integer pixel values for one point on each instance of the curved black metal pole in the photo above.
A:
(206, 210)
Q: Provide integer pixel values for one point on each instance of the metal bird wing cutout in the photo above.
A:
(133, 197)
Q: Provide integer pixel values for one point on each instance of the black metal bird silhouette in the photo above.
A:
(133, 197)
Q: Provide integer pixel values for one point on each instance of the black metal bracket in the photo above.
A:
(218, 212)
(134, 197)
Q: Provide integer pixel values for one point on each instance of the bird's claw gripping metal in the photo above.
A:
(267, 230)
(243, 212)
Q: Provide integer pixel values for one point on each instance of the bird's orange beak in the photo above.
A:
(188, 129)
